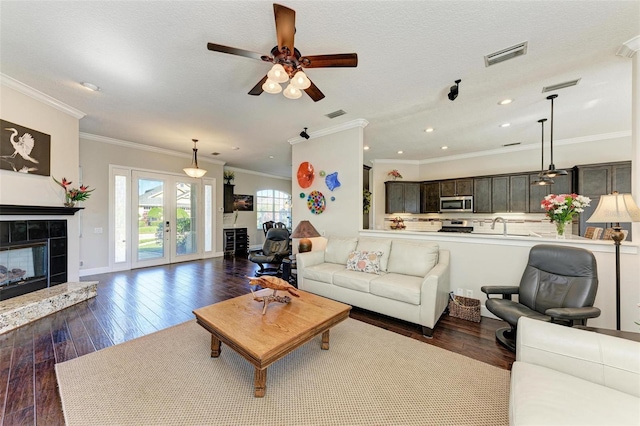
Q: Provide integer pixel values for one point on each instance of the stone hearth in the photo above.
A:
(24, 309)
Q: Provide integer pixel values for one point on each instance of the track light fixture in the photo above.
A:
(453, 91)
(552, 172)
(304, 134)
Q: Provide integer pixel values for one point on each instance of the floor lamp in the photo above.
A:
(616, 208)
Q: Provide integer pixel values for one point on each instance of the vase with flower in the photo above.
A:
(561, 208)
(73, 195)
(395, 174)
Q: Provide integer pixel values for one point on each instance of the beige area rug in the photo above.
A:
(369, 376)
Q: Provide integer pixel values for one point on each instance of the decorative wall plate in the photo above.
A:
(316, 202)
(332, 181)
(305, 174)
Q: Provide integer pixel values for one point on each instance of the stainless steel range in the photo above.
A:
(465, 226)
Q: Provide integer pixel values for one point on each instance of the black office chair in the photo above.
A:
(266, 226)
(274, 249)
(558, 285)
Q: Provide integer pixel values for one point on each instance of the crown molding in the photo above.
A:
(528, 147)
(141, 147)
(360, 122)
(251, 172)
(18, 86)
(629, 47)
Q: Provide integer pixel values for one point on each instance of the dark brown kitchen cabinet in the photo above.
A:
(402, 197)
(456, 187)
(482, 195)
(430, 197)
(595, 180)
(510, 193)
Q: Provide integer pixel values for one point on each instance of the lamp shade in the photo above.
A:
(291, 92)
(271, 86)
(305, 230)
(278, 74)
(194, 172)
(616, 208)
(300, 81)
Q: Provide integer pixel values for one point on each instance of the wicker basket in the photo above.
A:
(465, 308)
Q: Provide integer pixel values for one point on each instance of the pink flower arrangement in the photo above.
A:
(395, 174)
(72, 195)
(561, 208)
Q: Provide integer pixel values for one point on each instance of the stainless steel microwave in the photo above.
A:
(456, 204)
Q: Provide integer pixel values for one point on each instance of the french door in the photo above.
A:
(160, 218)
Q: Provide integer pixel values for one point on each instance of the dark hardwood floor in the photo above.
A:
(134, 303)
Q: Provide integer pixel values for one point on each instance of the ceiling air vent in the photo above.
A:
(560, 86)
(335, 114)
(506, 54)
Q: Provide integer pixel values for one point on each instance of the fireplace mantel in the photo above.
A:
(14, 210)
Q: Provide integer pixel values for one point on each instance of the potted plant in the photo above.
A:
(228, 176)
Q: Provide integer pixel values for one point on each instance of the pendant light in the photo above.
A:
(542, 180)
(194, 171)
(552, 172)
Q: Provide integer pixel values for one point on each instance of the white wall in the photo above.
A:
(96, 154)
(39, 112)
(333, 150)
(249, 183)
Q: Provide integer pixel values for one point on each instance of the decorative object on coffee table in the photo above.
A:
(305, 230)
(275, 284)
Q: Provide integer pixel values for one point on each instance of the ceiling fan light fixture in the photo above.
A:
(278, 74)
(552, 172)
(272, 87)
(194, 171)
(300, 81)
(291, 92)
(542, 180)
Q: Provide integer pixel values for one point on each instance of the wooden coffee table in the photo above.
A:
(264, 339)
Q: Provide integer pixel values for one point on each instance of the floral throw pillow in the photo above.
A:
(364, 261)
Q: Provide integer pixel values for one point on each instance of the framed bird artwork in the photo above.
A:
(24, 150)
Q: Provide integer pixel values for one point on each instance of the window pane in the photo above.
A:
(273, 205)
(208, 218)
(120, 219)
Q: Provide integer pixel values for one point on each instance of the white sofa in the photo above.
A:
(412, 283)
(568, 376)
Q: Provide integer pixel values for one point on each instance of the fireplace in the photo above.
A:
(33, 256)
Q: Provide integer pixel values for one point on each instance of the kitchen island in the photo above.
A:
(494, 259)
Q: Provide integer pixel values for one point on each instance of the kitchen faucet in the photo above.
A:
(504, 223)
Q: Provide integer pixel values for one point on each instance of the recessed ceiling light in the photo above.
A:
(429, 129)
(505, 102)
(215, 153)
(400, 152)
(90, 86)
(366, 148)
(505, 125)
(444, 147)
(271, 156)
(235, 148)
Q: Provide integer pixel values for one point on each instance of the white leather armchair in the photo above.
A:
(568, 376)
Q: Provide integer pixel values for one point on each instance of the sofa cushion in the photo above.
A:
(540, 395)
(376, 244)
(323, 272)
(338, 249)
(412, 257)
(364, 261)
(353, 280)
(397, 287)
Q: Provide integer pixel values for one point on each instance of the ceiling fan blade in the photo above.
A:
(322, 61)
(285, 26)
(257, 89)
(314, 93)
(234, 51)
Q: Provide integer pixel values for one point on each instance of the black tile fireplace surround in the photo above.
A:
(16, 234)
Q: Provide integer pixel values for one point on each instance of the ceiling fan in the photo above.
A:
(290, 59)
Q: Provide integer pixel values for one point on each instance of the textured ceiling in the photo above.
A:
(161, 87)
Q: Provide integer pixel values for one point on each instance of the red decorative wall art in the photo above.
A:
(305, 174)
